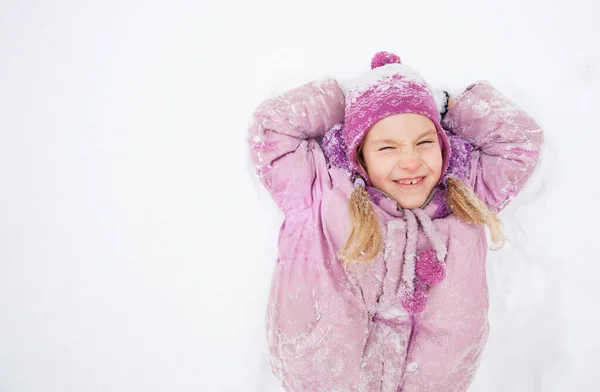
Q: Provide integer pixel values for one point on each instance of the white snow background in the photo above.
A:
(136, 243)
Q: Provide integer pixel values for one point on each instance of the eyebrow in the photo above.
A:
(386, 141)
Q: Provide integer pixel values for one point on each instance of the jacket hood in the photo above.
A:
(458, 162)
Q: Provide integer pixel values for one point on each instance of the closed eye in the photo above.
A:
(383, 148)
(424, 141)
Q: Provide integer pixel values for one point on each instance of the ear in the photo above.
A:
(362, 166)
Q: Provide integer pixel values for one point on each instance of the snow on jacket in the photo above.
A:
(334, 330)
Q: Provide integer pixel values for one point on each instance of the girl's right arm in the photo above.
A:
(288, 160)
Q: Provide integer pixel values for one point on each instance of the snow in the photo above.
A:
(137, 244)
(368, 77)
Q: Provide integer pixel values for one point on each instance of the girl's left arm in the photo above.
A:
(506, 141)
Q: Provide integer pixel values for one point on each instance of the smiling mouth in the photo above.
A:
(410, 181)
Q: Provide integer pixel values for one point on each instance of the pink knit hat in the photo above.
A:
(389, 88)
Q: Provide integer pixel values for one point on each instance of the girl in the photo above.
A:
(380, 280)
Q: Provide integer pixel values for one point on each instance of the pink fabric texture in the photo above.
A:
(429, 269)
(331, 330)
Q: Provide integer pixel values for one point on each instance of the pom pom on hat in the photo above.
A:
(383, 58)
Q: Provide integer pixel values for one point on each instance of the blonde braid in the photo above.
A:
(366, 234)
(469, 208)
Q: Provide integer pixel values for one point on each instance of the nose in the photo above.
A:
(410, 162)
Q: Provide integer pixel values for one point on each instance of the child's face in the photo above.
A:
(400, 149)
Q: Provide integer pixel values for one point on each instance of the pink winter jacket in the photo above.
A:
(329, 330)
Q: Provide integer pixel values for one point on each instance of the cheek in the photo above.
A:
(379, 168)
(433, 159)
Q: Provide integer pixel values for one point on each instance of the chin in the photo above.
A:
(411, 204)
(412, 201)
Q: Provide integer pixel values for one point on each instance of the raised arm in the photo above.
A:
(287, 158)
(506, 141)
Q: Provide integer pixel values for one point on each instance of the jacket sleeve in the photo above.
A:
(282, 138)
(506, 143)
